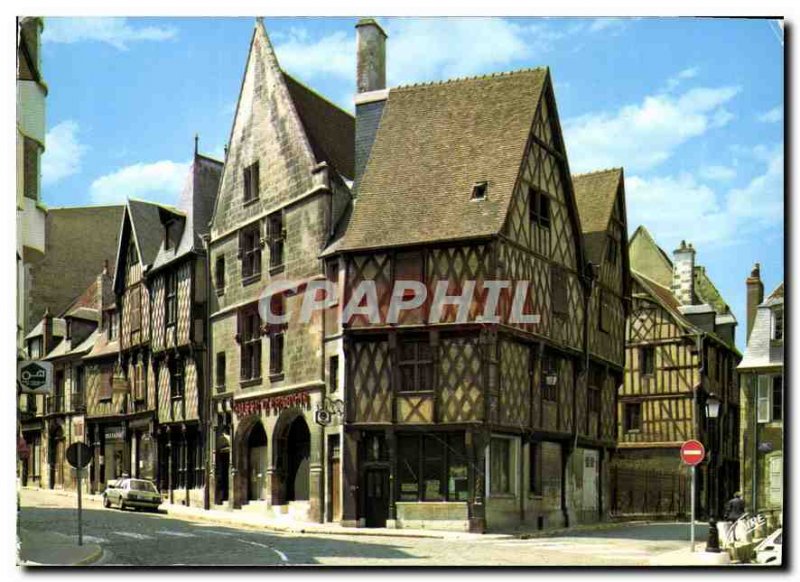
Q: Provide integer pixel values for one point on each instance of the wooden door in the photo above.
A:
(376, 509)
(336, 487)
(258, 477)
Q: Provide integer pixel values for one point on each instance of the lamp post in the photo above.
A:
(712, 412)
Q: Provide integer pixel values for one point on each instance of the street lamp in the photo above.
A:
(712, 413)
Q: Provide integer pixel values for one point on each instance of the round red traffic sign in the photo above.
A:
(693, 452)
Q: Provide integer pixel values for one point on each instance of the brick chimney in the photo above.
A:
(371, 90)
(683, 273)
(47, 332)
(755, 296)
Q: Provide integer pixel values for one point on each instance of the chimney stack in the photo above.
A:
(47, 333)
(755, 296)
(683, 273)
(371, 56)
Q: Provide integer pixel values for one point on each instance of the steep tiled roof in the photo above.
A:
(330, 130)
(595, 194)
(434, 142)
(59, 328)
(776, 294)
(147, 227)
(707, 292)
(761, 351)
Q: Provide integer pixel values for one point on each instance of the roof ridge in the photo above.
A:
(174, 209)
(471, 78)
(603, 171)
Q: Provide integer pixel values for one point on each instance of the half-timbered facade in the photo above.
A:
(282, 193)
(679, 349)
(456, 418)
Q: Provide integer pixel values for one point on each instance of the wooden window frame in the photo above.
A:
(776, 406)
(177, 378)
(276, 236)
(277, 352)
(539, 207)
(250, 346)
(220, 371)
(136, 308)
(251, 191)
(494, 488)
(595, 389)
(450, 459)
(333, 372)
(777, 325)
(603, 316)
(171, 299)
(549, 364)
(417, 363)
(559, 291)
(612, 250)
(647, 371)
(250, 253)
(628, 424)
(763, 398)
(219, 274)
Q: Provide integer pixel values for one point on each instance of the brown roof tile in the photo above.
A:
(434, 142)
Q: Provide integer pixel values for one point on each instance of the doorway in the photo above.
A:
(223, 463)
(335, 465)
(376, 510)
(298, 449)
(257, 463)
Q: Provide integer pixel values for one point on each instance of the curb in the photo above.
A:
(91, 558)
(578, 529)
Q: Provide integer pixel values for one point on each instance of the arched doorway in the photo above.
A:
(298, 447)
(257, 463)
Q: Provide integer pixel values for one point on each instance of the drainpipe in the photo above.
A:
(207, 446)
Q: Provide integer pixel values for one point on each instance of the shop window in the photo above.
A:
(432, 467)
(500, 477)
(416, 366)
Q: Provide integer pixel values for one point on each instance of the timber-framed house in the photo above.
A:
(470, 423)
(680, 348)
(283, 191)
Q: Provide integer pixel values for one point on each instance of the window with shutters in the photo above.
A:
(558, 290)
(250, 253)
(104, 390)
(251, 183)
(176, 377)
(139, 387)
(633, 417)
(539, 207)
(250, 344)
(416, 366)
(776, 480)
(777, 398)
(763, 403)
(276, 235)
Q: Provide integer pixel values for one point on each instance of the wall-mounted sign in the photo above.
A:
(77, 429)
(115, 433)
(271, 404)
(35, 377)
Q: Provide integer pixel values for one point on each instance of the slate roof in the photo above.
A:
(147, 227)
(595, 194)
(330, 130)
(59, 328)
(195, 206)
(761, 352)
(434, 142)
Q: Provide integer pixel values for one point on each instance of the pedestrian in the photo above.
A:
(734, 509)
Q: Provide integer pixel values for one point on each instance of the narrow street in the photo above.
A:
(139, 538)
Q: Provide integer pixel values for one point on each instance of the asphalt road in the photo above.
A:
(147, 539)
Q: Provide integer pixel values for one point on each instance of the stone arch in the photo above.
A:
(250, 461)
(291, 453)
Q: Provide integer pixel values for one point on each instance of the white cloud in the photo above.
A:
(601, 24)
(116, 31)
(717, 173)
(774, 115)
(425, 49)
(674, 81)
(665, 203)
(640, 136)
(63, 152)
(157, 182)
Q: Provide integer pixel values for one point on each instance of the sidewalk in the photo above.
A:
(685, 557)
(51, 549)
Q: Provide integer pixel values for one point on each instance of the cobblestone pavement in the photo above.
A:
(138, 538)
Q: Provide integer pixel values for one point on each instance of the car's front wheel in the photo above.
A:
(106, 502)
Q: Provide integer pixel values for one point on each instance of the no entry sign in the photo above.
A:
(693, 452)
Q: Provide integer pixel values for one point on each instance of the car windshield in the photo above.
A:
(137, 485)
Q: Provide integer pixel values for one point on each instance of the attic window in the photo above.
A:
(539, 207)
(251, 183)
(479, 191)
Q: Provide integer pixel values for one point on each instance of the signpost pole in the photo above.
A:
(692, 512)
(78, 470)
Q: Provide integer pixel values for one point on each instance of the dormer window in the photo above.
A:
(479, 191)
(777, 325)
(168, 240)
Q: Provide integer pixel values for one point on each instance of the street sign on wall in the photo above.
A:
(693, 452)
(35, 377)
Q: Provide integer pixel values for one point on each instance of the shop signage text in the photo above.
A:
(271, 404)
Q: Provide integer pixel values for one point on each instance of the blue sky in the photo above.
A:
(691, 108)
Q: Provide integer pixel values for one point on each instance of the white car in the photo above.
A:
(770, 551)
(136, 493)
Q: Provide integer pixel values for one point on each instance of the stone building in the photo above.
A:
(762, 397)
(283, 190)
(475, 421)
(680, 348)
